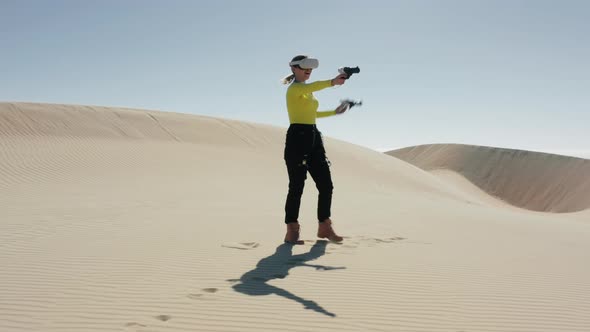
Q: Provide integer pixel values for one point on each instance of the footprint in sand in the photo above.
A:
(201, 296)
(355, 242)
(387, 240)
(134, 325)
(163, 318)
(241, 245)
(380, 239)
(375, 241)
(194, 296)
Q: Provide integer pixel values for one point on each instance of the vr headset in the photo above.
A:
(307, 63)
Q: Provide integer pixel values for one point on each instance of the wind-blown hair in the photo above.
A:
(289, 79)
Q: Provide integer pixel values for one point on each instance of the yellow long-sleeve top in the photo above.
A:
(301, 103)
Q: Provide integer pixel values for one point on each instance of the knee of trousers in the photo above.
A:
(325, 187)
(296, 188)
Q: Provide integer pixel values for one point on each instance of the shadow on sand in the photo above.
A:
(277, 266)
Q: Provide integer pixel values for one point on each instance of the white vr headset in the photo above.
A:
(307, 63)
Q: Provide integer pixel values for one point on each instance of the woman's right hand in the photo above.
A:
(339, 80)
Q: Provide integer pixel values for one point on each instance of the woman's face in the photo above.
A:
(301, 75)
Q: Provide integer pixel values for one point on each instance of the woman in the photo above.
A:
(304, 149)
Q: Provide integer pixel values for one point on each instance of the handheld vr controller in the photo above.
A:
(348, 71)
(351, 103)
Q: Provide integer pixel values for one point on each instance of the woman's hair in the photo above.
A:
(290, 78)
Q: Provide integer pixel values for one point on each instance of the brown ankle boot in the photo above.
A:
(293, 233)
(325, 230)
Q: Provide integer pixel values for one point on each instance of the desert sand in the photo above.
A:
(119, 219)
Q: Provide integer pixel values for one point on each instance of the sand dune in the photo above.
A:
(532, 180)
(132, 220)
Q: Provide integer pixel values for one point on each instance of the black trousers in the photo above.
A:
(304, 152)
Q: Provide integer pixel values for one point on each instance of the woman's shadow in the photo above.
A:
(277, 266)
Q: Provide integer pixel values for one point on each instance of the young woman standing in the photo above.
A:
(304, 148)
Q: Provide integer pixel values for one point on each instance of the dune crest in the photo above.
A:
(98, 122)
(532, 180)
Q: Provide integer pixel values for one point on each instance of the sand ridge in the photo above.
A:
(532, 180)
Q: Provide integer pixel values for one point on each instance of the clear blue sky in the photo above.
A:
(504, 73)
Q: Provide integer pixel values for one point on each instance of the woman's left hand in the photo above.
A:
(342, 108)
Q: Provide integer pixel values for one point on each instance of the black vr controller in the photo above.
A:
(351, 103)
(348, 71)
